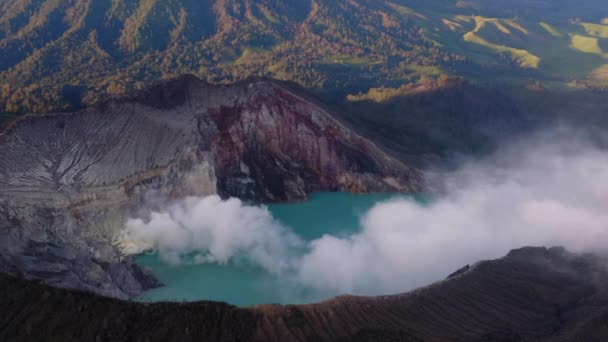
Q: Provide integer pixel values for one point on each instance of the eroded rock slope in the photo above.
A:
(69, 181)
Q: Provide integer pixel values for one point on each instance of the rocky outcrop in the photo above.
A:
(69, 181)
(532, 294)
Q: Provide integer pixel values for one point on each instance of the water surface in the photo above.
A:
(244, 285)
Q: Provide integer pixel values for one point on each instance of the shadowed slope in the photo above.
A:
(531, 294)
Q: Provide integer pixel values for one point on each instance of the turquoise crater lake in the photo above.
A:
(241, 284)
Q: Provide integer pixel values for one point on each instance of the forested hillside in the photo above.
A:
(63, 54)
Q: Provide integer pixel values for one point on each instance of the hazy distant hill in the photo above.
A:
(60, 54)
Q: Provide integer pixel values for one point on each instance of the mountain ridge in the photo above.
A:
(532, 293)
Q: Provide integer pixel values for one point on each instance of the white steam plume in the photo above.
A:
(539, 192)
(215, 229)
(550, 194)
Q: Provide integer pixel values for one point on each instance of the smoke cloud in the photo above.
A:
(217, 231)
(545, 191)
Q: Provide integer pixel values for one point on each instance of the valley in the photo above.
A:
(63, 56)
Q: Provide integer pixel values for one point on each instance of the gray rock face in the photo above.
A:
(69, 181)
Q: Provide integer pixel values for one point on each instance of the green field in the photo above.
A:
(596, 30)
(586, 44)
(250, 53)
(347, 60)
(551, 29)
(557, 51)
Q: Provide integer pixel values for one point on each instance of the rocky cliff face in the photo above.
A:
(69, 181)
(532, 294)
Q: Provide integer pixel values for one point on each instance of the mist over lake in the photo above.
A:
(240, 282)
